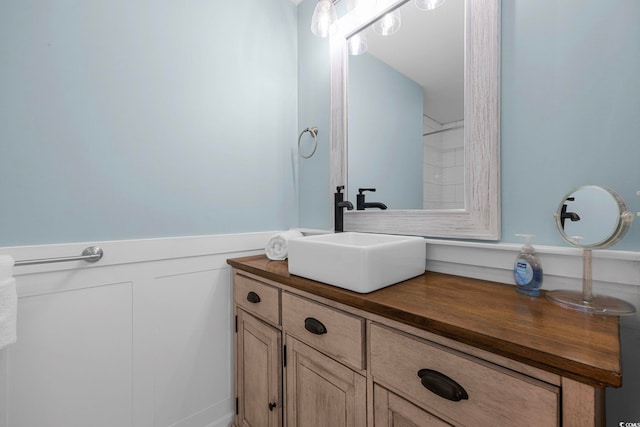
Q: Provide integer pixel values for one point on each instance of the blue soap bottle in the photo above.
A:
(527, 270)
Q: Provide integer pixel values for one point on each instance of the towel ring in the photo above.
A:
(314, 134)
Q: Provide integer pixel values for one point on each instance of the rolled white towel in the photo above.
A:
(278, 246)
(8, 303)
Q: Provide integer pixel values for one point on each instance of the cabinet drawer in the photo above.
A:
(257, 298)
(494, 396)
(334, 332)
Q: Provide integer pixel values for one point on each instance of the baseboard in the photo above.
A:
(226, 421)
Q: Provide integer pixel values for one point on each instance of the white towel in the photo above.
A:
(8, 303)
(278, 245)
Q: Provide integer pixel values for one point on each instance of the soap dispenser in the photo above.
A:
(527, 270)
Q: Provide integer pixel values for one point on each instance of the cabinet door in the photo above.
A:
(259, 373)
(320, 391)
(393, 411)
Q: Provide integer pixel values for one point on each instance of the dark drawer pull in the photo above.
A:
(442, 385)
(314, 326)
(253, 298)
(272, 406)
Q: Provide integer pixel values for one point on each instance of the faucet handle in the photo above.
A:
(361, 190)
(339, 188)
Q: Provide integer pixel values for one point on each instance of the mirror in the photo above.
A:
(411, 109)
(592, 217)
(477, 216)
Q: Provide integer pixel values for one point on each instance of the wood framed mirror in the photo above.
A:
(479, 218)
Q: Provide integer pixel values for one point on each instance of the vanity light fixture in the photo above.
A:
(358, 42)
(388, 24)
(324, 22)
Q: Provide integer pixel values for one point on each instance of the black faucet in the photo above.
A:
(362, 205)
(564, 215)
(339, 205)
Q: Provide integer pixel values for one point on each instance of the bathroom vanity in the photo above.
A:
(435, 350)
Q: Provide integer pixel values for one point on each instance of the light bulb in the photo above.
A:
(388, 24)
(429, 4)
(358, 44)
(324, 22)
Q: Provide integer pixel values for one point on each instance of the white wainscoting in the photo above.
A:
(141, 338)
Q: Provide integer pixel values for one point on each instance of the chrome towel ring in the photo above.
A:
(314, 134)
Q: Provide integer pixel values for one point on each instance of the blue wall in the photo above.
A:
(570, 108)
(314, 98)
(385, 134)
(123, 119)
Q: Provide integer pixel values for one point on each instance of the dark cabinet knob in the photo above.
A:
(253, 298)
(272, 406)
(442, 385)
(314, 326)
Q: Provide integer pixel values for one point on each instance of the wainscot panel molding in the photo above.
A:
(141, 338)
(562, 266)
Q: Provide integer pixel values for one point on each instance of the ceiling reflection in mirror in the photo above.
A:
(406, 111)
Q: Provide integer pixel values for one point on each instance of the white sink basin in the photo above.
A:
(360, 262)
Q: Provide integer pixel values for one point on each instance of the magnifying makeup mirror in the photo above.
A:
(592, 217)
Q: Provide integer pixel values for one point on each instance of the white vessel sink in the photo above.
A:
(360, 262)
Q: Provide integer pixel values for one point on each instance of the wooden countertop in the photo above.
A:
(487, 315)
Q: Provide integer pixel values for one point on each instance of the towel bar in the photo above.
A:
(90, 254)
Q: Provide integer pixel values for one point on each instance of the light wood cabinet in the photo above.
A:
(257, 297)
(320, 391)
(334, 332)
(316, 367)
(459, 387)
(258, 373)
(258, 353)
(390, 410)
(407, 356)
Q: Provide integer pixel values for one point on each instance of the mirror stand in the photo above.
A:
(592, 217)
(586, 301)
